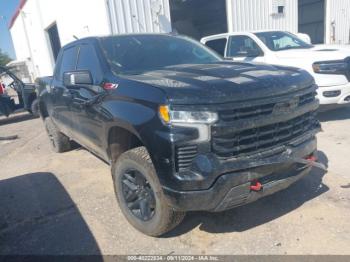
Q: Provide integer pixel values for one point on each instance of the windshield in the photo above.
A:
(133, 54)
(278, 41)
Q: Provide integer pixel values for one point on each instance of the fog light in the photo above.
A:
(332, 93)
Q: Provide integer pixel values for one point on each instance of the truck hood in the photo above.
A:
(316, 54)
(224, 82)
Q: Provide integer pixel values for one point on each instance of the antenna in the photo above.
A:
(75, 37)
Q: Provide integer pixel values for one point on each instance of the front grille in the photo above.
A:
(251, 141)
(307, 98)
(184, 157)
(262, 110)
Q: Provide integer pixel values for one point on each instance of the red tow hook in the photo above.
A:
(256, 186)
(310, 161)
(311, 158)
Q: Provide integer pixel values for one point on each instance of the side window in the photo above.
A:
(57, 70)
(284, 42)
(243, 46)
(217, 45)
(68, 61)
(88, 60)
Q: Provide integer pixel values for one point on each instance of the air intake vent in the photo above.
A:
(184, 157)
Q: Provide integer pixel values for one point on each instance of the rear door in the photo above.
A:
(244, 48)
(61, 96)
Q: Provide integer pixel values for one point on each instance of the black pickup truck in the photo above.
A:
(182, 129)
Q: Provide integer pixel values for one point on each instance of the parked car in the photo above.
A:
(25, 95)
(330, 66)
(182, 129)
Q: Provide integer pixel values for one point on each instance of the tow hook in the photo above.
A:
(311, 160)
(256, 186)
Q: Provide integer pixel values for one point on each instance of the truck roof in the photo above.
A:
(94, 38)
(239, 33)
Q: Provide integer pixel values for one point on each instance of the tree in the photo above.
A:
(4, 58)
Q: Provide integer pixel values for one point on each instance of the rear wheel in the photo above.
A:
(34, 108)
(59, 142)
(140, 194)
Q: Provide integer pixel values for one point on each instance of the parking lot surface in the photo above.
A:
(64, 204)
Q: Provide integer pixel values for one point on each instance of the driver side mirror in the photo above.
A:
(76, 78)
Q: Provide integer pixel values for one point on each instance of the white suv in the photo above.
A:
(329, 65)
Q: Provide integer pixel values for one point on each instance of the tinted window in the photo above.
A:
(54, 40)
(69, 60)
(58, 67)
(277, 41)
(88, 60)
(139, 53)
(243, 46)
(218, 45)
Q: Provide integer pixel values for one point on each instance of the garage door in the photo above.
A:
(198, 18)
(312, 19)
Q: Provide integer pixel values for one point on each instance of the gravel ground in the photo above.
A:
(64, 204)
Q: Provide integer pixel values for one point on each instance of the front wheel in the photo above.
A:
(140, 195)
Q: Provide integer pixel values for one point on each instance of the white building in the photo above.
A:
(40, 27)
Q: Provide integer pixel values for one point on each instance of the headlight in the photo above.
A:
(186, 117)
(330, 67)
(198, 119)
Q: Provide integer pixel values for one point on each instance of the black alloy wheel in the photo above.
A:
(138, 195)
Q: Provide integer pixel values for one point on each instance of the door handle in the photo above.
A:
(67, 94)
(79, 100)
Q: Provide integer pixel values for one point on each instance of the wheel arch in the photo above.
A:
(43, 109)
(120, 140)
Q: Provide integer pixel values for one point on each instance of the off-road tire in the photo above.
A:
(59, 142)
(34, 108)
(165, 218)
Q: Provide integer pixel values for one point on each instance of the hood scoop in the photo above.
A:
(327, 50)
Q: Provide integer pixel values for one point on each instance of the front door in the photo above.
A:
(61, 96)
(90, 117)
(244, 48)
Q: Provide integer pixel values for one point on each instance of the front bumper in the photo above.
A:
(232, 189)
(340, 99)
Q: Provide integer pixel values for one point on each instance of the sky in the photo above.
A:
(7, 8)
